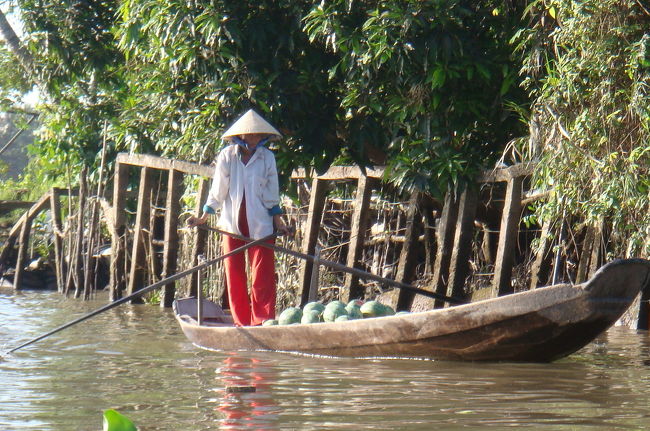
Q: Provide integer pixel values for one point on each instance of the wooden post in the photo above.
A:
(351, 288)
(596, 251)
(77, 268)
(138, 260)
(200, 235)
(57, 227)
(118, 233)
(585, 254)
(540, 270)
(310, 239)
(315, 276)
(91, 264)
(446, 228)
(643, 321)
(89, 267)
(407, 257)
(460, 254)
(170, 251)
(23, 245)
(429, 238)
(508, 234)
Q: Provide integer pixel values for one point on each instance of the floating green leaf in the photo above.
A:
(114, 421)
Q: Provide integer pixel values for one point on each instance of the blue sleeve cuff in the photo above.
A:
(275, 210)
(208, 209)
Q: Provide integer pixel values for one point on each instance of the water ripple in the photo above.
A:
(134, 359)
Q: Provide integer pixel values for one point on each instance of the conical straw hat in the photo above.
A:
(251, 122)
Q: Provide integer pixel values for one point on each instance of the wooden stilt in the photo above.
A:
(643, 321)
(408, 258)
(429, 239)
(540, 270)
(200, 235)
(89, 267)
(596, 259)
(138, 258)
(351, 288)
(92, 264)
(23, 245)
(170, 252)
(582, 273)
(510, 219)
(57, 226)
(315, 276)
(446, 229)
(77, 268)
(118, 232)
(310, 238)
(460, 254)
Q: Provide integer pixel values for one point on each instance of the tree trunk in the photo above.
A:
(13, 42)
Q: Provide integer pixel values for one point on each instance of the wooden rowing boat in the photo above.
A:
(540, 325)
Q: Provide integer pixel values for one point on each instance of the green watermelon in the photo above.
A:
(388, 310)
(342, 318)
(372, 309)
(313, 306)
(270, 322)
(335, 304)
(310, 316)
(353, 311)
(290, 315)
(333, 310)
(356, 302)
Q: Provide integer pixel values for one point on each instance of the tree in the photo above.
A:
(588, 68)
(430, 84)
(13, 43)
(195, 66)
(424, 85)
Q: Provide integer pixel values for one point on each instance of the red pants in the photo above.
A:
(261, 305)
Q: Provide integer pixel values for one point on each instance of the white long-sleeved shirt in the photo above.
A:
(258, 180)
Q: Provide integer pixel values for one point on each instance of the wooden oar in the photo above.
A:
(146, 290)
(343, 268)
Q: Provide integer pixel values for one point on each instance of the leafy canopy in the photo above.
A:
(423, 86)
(588, 68)
(427, 83)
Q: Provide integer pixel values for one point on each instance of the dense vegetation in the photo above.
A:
(363, 81)
(435, 89)
(587, 68)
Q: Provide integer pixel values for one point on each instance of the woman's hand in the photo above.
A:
(282, 228)
(195, 221)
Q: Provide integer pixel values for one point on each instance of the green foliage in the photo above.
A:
(592, 111)
(193, 67)
(79, 65)
(13, 83)
(427, 83)
(367, 81)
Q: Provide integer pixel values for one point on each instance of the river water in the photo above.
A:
(136, 360)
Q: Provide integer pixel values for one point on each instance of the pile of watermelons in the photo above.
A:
(335, 311)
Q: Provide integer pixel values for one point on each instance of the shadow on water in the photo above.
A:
(134, 359)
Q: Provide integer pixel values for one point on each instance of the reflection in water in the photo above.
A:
(135, 359)
(246, 401)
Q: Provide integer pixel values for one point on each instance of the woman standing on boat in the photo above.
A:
(245, 190)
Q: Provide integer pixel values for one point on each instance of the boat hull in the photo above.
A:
(534, 326)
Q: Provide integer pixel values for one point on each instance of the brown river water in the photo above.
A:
(136, 360)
